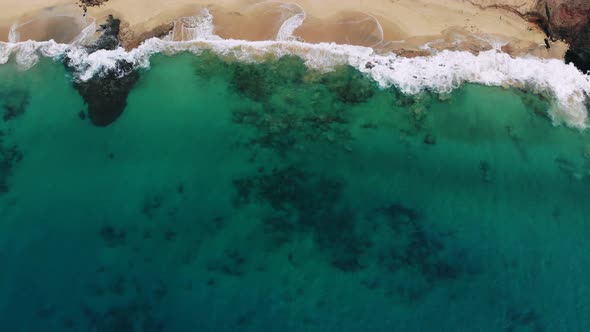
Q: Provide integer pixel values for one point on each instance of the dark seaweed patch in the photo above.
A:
(259, 81)
(160, 203)
(46, 312)
(232, 263)
(117, 285)
(135, 311)
(14, 104)
(282, 129)
(292, 104)
(251, 81)
(350, 85)
(486, 171)
(134, 316)
(151, 204)
(208, 65)
(524, 321)
(68, 323)
(113, 237)
(9, 157)
(305, 202)
(246, 318)
(416, 246)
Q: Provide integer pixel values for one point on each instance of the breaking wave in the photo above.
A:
(443, 72)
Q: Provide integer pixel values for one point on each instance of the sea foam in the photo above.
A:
(292, 23)
(442, 72)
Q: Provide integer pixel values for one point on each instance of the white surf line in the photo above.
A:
(440, 73)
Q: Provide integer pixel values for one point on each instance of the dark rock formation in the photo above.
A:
(84, 4)
(570, 20)
(109, 37)
(106, 93)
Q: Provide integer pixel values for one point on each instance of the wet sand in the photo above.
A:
(60, 23)
(382, 24)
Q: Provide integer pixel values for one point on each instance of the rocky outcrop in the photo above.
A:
(84, 4)
(568, 20)
(106, 93)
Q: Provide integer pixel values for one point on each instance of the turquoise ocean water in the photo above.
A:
(271, 197)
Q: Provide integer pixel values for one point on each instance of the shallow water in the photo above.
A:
(271, 197)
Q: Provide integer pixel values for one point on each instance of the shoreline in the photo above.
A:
(404, 26)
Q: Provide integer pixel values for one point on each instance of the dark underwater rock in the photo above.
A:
(106, 93)
(569, 20)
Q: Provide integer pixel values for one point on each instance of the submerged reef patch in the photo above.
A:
(260, 81)
(417, 246)
(299, 107)
(10, 155)
(136, 311)
(523, 321)
(304, 202)
(349, 85)
(291, 104)
(13, 103)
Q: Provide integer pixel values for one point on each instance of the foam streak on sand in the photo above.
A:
(292, 23)
(13, 34)
(195, 27)
(439, 73)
